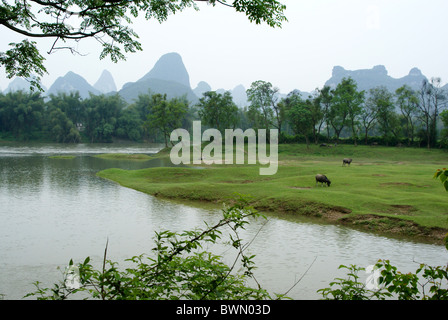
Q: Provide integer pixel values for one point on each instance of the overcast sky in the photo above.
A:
(224, 49)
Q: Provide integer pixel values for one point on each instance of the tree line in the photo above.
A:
(66, 117)
(342, 114)
(346, 114)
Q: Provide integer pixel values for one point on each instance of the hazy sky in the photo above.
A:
(224, 49)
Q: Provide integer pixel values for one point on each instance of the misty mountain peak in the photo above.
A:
(18, 84)
(338, 71)
(72, 82)
(415, 72)
(169, 67)
(105, 83)
(380, 70)
(201, 88)
(376, 76)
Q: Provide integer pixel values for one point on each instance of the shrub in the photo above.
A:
(177, 269)
(427, 283)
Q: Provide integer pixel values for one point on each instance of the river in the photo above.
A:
(53, 210)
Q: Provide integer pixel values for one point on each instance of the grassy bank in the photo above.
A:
(385, 190)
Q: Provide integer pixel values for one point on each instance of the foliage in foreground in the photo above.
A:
(180, 269)
(177, 269)
(107, 21)
(386, 282)
(442, 175)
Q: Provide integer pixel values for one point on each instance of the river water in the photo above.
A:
(53, 210)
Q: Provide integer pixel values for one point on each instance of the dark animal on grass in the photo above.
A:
(346, 161)
(322, 179)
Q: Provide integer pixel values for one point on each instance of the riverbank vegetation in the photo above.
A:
(329, 116)
(178, 268)
(385, 189)
(386, 282)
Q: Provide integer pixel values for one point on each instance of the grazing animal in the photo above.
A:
(322, 179)
(346, 161)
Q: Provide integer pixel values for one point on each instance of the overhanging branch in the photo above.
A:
(70, 35)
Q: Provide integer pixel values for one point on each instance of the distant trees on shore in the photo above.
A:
(345, 114)
(342, 114)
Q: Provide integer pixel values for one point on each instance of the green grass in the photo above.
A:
(385, 189)
(124, 156)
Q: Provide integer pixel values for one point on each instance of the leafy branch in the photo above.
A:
(427, 283)
(442, 175)
(106, 21)
(177, 269)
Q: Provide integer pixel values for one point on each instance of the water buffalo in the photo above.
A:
(346, 161)
(322, 179)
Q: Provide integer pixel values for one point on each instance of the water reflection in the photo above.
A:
(23, 149)
(53, 210)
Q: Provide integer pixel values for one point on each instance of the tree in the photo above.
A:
(325, 98)
(444, 131)
(382, 100)
(62, 128)
(107, 21)
(408, 103)
(142, 106)
(70, 104)
(347, 102)
(431, 100)
(218, 110)
(243, 118)
(21, 113)
(368, 118)
(102, 115)
(337, 115)
(263, 99)
(317, 117)
(299, 115)
(23, 60)
(166, 115)
(129, 125)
